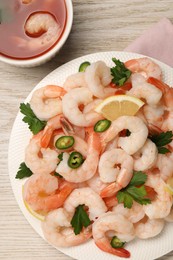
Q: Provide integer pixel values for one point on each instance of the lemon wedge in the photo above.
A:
(32, 212)
(119, 105)
(169, 186)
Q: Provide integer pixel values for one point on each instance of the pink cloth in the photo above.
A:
(156, 42)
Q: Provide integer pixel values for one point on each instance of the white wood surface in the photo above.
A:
(98, 26)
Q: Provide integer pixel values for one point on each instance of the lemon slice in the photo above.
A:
(32, 212)
(119, 105)
(169, 186)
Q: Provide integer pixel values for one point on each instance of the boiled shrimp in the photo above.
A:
(119, 226)
(92, 105)
(96, 184)
(38, 159)
(130, 144)
(165, 165)
(134, 214)
(112, 144)
(142, 89)
(146, 157)
(169, 218)
(43, 30)
(147, 228)
(58, 231)
(87, 170)
(144, 66)
(154, 114)
(76, 80)
(160, 207)
(70, 105)
(89, 198)
(46, 102)
(116, 165)
(98, 77)
(43, 192)
(168, 103)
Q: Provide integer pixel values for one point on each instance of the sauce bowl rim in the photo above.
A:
(50, 53)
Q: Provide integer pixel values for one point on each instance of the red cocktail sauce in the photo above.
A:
(13, 37)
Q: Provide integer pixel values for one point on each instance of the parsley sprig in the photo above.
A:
(80, 219)
(120, 73)
(161, 140)
(23, 171)
(35, 124)
(131, 192)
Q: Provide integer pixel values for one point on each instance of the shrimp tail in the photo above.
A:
(111, 201)
(115, 251)
(59, 198)
(54, 91)
(110, 190)
(46, 137)
(67, 126)
(52, 124)
(159, 84)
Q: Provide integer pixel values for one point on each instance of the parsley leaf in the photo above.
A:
(137, 192)
(161, 140)
(58, 175)
(125, 198)
(163, 150)
(138, 178)
(120, 73)
(35, 124)
(80, 219)
(60, 156)
(131, 192)
(23, 171)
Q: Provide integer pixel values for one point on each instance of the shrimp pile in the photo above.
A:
(79, 174)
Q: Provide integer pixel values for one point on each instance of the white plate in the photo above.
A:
(140, 249)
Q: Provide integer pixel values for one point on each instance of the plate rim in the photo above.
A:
(38, 85)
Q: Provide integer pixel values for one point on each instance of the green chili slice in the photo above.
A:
(75, 160)
(83, 66)
(102, 125)
(64, 142)
(116, 242)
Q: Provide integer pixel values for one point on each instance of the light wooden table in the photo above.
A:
(98, 26)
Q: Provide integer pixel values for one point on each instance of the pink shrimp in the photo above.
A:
(168, 101)
(144, 66)
(119, 225)
(46, 101)
(58, 231)
(38, 159)
(44, 193)
(89, 167)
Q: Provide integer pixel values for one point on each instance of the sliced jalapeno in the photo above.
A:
(83, 66)
(116, 242)
(64, 142)
(102, 125)
(75, 160)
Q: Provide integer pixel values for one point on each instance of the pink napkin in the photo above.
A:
(156, 42)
